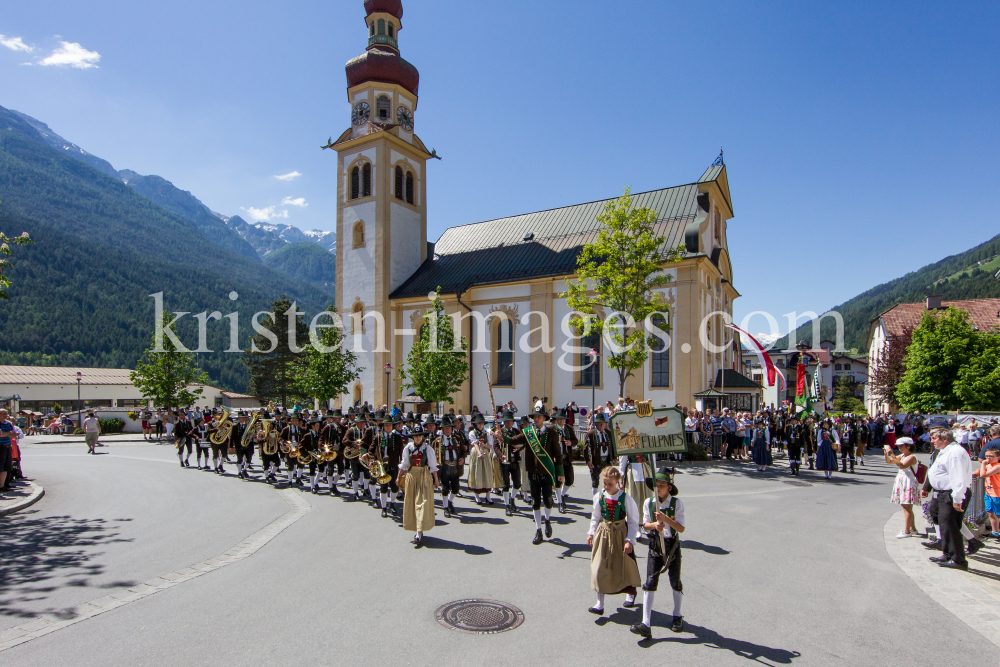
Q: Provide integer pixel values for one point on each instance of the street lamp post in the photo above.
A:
(79, 409)
(388, 373)
(594, 356)
(938, 406)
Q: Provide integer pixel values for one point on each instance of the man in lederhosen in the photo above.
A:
(541, 467)
(269, 462)
(330, 435)
(567, 444)
(236, 442)
(184, 435)
(848, 443)
(389, 450)
(451, 466)
(353, 436)
(310, 443)
(368, 438)
(510, 462)
(598, 451)
(663, 521)
(290, 435)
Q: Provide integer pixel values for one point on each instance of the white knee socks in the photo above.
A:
(677, 602)
(647, 608)
(600, 602)
(451, 498)
(548, 511)
(384, 497)
(538, 518)
(506, 497)
(291, 475)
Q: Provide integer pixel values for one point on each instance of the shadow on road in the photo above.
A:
(37, 550)
(571, 549)
(710, 638)
(707, 548)
(471, 549)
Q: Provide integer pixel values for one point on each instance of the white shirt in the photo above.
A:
(631, 513)
(962, 437)
(691, 424)
(952, 471)
(411, 449)
(662, 507)
(91, 425)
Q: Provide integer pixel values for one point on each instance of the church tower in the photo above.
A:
(381, 198)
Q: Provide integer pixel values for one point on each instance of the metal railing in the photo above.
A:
(383, 39)
(976, 505)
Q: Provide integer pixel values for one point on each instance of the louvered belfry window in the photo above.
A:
(399, 182)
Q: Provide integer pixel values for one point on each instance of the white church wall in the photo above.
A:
(522, 366)
(404, 244)
(359, 263)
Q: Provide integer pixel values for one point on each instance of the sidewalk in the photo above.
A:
(23, 494)
(79, 439)
(973, 596)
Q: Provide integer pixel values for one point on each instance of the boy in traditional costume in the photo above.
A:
(663, 519)
(541, 456)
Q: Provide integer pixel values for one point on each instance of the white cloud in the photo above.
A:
(71, 54)
(267, 213)
(298, 201)
(15, 44)
(290, 176)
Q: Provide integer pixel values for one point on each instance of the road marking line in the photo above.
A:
(297, 508)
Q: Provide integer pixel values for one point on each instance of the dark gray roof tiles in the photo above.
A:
(495, 251)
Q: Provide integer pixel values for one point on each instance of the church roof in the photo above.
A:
(535, 245)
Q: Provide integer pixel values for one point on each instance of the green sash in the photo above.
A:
(531, 434)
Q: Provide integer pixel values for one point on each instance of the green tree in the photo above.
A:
(166, 376)
(272, 358)
(619, 272)
(978, 382)
(843, 396)
(943, 344)
(438, 362)
(325, 368)
(5, 263)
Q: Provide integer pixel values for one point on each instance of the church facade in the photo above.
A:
(494, 273)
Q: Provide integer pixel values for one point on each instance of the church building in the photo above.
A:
(503, 268)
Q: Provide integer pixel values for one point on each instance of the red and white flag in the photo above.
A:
(765, 359)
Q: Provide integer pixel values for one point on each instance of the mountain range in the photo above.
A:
(107, 240)
(253, 240)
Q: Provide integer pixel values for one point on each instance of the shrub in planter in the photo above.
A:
(78, 431)
(113, 425)
(696, 452)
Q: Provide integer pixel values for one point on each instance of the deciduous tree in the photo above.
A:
(168, 377)
(438, 362)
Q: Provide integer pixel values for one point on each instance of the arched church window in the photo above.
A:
(381, 26)
(660, 357)
(358, 318)
(503, 339)
(358, 235)
(373, 28)
(399, 182)
(355, 183)
(366, 180)
(382, 107)
(409, 187)
(357, 395)
(390, 28)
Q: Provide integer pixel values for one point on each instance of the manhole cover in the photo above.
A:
(799, 483)
(483, 617)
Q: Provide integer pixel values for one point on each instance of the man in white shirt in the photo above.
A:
(91, 431)
(950, 475)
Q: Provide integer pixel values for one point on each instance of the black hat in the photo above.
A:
(600, 417)
(446, 421)
(478, 418)
(398, 419)
(330, 413)
(317, 420)
(559, 414)
(417, 430)
(538, 411)
(338, 413)
(351, 411)
(265, 415)
(508, 415)
(410, 417)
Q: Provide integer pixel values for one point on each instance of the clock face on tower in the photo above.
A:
(361, 113)
(404, 118)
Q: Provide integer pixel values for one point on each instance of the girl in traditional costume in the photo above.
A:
(418, 477)
(613, 526)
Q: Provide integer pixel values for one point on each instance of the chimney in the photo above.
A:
(934, 302)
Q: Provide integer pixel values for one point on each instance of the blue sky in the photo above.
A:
(860, 138)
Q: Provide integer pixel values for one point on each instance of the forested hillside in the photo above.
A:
(307, 261)
(955, 278)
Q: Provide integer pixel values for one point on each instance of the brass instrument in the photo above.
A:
(250, 430)
(222, 429)
(270, 444)
(376, 468)
(303, 456)
(327, 453)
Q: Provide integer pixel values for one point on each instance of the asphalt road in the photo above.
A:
(773, 573)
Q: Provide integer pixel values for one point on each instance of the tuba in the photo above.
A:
(222, 429)
(327, 453)
(251, 429)
(270, 444)
(376, 469)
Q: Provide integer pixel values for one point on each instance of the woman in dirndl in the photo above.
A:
(826, 458)
(614, 523)
(418, 477)
(761, 447)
